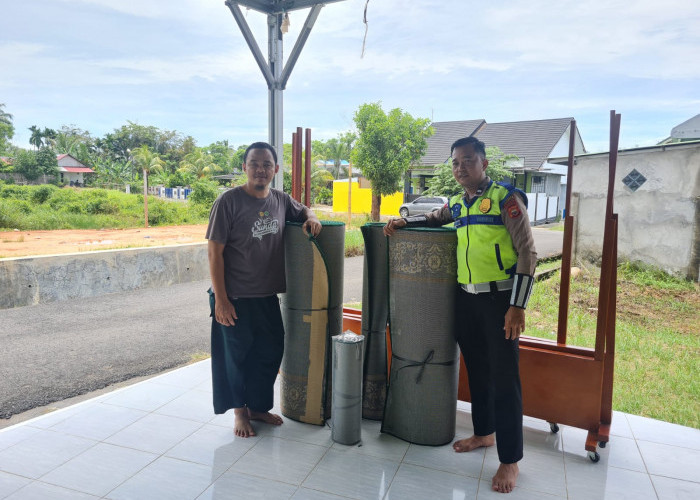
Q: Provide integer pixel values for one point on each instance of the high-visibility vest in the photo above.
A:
(485, 249)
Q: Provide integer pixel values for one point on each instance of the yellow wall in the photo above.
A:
(362, 200)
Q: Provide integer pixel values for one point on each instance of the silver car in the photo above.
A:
(422, 205)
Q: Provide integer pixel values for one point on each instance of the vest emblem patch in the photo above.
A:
(511, 208)
(485, 205)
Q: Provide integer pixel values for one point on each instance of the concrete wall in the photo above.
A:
(659, 223)
(33, 280)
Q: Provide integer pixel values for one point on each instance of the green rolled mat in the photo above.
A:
(421, 400)
(375, 311)
(312, 312)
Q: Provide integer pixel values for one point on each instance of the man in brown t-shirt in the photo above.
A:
(246, 263)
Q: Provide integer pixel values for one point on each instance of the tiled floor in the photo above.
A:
(160, 439)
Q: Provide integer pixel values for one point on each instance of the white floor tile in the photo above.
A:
(418, 483)
(14, 435)
(541, 440)
(620, 426)
(9, 483)
(486, 493)
(188, 377)
(146, 396)
(671, 461)
(308, 494)
(41, 453)
(586, 480)
(43, 491)
(100, 469)
(542, 472)
(675, 489)
(154, 433)
(445, 459)
(212, 445)
(98, 421)
(231, 485)
(352, 475)
(166, 479)
(193, 405)
(376, 443)
(280, 459)
(290, 429)
(647, 429)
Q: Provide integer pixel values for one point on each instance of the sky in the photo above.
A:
(184, 65)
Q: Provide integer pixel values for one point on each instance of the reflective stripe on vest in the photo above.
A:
(485, 250)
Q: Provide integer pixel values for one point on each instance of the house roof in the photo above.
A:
(445, 134)
(532, 141)
(689, 129)
(76, 170)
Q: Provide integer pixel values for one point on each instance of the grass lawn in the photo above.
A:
(657, 344)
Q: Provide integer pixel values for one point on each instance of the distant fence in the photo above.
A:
(541, 208)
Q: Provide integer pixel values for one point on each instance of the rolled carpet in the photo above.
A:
(421, 400)
(375, 312)
(348, 351)
(312, 312)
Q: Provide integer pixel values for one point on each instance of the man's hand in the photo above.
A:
(311, 225)
(515, 322)
(393, 225)
(225, 312)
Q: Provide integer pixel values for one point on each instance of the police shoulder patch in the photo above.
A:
(511, 208)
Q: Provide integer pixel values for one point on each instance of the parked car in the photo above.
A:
(422, 205)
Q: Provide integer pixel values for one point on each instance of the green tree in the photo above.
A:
(337, 152)
(386, 147)
(46, 161)
(148, 161)
(35, 137)
(25, 163)
(445, 184)
(7, 129)
(199, 164)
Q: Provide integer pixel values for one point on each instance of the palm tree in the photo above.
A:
(337, 150)
(35, 138)
(198, 164)
(148, 161)
(5, 117)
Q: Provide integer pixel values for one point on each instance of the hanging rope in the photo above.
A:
(364, 40)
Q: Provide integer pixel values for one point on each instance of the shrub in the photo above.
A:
(42, 193)
(204, 193)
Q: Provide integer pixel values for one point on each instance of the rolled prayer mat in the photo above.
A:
(348, 354)
(421, 400)
(312, 312)
(375, 310)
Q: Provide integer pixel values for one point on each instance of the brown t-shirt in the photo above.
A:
(253, 231)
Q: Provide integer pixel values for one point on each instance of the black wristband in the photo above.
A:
(522, 288)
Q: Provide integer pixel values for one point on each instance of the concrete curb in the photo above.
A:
(36, 280)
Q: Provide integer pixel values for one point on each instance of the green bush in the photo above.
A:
(16, 192)
(42, 193)
(204, 193)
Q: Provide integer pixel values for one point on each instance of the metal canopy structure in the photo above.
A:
(274, 70)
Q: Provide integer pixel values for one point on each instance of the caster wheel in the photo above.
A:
(553, 427)
(602, 444)
(593, 455)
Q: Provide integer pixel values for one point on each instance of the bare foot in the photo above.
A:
(267, 417)
(504, 480)
(474, 442)
(241, 426)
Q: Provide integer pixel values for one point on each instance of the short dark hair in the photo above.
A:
(479, 147)
(260, 145)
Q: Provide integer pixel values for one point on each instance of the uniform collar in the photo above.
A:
(483, 186)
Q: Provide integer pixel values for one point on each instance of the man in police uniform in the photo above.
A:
(496, 261)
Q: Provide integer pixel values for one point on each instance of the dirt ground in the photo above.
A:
(62, 241)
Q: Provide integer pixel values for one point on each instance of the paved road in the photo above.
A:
(55, 351)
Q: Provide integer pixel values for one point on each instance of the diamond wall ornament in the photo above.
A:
(634, 180)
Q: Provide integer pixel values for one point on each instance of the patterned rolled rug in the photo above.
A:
(312, 311)
(375, 311)
(421, 400)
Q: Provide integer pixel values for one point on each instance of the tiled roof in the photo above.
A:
(445, 134)
(531, 141)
